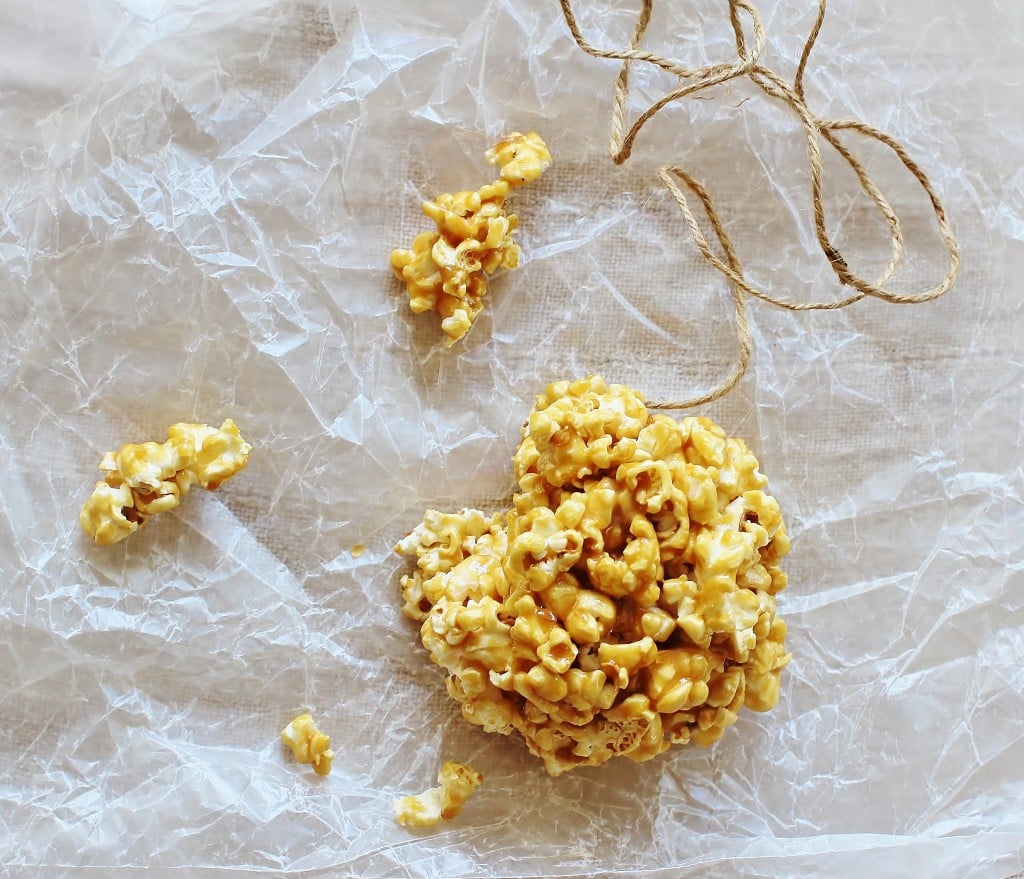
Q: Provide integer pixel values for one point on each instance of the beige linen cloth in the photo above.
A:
(197, 201)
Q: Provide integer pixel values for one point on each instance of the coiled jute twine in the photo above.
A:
(698, 79)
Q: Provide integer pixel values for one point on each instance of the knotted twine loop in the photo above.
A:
(815, 128)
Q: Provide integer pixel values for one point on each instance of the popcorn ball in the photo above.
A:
(446, 271)
(442, 803)
(141, 480)
(627, 601)
(308, 744)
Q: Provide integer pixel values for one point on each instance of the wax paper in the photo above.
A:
(197, 203)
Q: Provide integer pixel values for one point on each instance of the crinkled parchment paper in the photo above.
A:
(197, 201)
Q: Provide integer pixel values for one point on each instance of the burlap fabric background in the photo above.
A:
(197, 201)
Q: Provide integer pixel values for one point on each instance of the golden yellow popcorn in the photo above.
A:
(141, 480)
(627, 601)
(308, 744)
(446, 271)
(521, 157)
(439, 803)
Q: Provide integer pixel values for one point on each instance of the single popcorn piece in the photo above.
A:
(626, 603)
(446, 270)
(141, 480)
(109, 515)
(308, 744)
(442, 803)
(521, 157)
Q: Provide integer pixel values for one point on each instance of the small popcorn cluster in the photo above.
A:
(446, 270)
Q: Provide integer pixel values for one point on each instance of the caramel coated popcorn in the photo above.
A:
(626, 603)
(141, 480)
(442, 803)
(308, 744)
(446, 270)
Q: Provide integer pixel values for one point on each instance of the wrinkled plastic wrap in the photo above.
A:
(197, 202)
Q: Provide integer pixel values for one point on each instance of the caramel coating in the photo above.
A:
(143, 479)
(457, 782)
(627, 601)
(308, 744)
(446, 270)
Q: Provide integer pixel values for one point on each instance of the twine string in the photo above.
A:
(816, 130)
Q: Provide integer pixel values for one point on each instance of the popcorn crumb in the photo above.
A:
(308, 744)
(141, 480)
(446, 271)
(627, 601)
(441, 803)
(357, 551)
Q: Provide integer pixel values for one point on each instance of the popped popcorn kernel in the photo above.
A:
(457, 782)
(214, 455)
(109, 515)
(521, 157)
(446, 270)
(308, 744)
(627, 601)
(143, 479)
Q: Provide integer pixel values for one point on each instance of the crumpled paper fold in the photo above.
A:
(197, 202)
